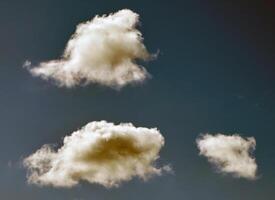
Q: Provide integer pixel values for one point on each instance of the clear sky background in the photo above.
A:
(215, 73)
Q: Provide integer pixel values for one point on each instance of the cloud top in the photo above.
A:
(230, 154)
(103, 50)
(101, 153)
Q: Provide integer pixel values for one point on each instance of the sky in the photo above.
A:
(214, 73)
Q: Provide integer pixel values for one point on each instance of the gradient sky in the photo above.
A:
(215, 74)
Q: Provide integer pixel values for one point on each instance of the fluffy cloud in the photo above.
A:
(101, 153)
(103, 50)
(230, 154)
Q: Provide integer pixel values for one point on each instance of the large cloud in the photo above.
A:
(103, 50)
(230, 154)
(100, 152)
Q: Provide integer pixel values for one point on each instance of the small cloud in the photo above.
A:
(101, 153)
(10, 164)
(230, 154)
(27, 64)
(103, 50)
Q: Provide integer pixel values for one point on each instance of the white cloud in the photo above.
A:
(230, 154)
(103, 50)
(101, 153)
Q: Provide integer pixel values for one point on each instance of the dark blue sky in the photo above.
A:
(215, 73)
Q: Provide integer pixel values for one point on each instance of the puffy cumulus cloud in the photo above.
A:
(101, 153)
(103, 50)
(230, 154)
